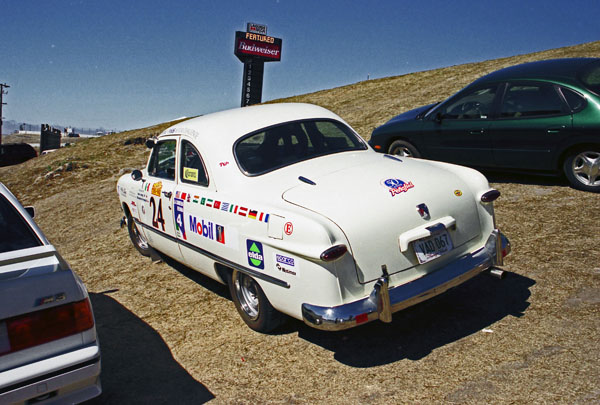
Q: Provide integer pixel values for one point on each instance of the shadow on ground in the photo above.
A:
(137, 365)
(417, 331)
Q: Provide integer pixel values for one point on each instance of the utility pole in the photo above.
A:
(2, 92)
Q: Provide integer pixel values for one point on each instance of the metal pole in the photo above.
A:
(2, 92)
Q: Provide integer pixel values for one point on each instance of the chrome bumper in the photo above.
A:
(384, 301)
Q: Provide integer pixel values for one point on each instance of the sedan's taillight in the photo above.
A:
(44, 326)
(334, 253)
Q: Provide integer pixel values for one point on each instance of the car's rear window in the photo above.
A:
(292, 142)
(590, 76)
(16, 233)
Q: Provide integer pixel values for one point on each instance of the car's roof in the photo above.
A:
(225, 127)
(553, 69)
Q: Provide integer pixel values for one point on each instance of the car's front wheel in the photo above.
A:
(582, 168)
(404, 148)
(138, 240)
(252, 304)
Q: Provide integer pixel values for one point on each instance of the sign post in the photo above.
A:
(253, 48)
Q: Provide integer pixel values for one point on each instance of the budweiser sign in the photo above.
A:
(249, 45)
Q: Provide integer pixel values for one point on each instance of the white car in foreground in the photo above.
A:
(292, 209)
(49, 351)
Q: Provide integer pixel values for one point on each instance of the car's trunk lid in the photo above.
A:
(376, 201)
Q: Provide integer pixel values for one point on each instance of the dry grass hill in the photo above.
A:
(170, 335)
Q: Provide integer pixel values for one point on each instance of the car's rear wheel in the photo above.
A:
(252, 304)
(403, 148)
(138, 240)
(582, 168)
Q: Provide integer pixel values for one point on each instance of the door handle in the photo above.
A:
(167, 194)
(555, 130)
(476, 132)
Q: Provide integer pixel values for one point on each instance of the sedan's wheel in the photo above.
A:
(138, 240)
(403, 148)
(582, 169)
(252, 304)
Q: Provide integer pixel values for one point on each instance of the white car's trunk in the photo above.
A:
(375, 211)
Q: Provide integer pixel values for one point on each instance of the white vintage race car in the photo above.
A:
(296, 213)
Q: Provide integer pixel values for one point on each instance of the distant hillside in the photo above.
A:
(364, 105)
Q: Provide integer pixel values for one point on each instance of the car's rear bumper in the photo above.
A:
(384, 301)
(68, 378)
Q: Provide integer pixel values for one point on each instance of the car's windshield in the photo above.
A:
(590, 76)
(16, 233)
(292, 142)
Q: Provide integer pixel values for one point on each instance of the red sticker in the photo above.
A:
(288, 228)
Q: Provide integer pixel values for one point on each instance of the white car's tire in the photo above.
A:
(252, 304)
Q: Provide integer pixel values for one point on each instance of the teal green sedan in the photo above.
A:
(541, 117)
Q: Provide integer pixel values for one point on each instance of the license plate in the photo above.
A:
(433, 246)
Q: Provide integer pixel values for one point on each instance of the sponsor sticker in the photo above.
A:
(123, 191)
(156, 189)
(288, 228)
(179, 219)
(287, 264)
(190, 174)
(457, 193)
(256, 257)
(207, 229)
(397, 186)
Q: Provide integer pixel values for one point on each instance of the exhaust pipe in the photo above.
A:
(498, 273)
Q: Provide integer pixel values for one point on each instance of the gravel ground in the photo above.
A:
(170, 335)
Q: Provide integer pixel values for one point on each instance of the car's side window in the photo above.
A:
(474, 105)
(531, 100)
(575, 100)
(192, 166)
(162, 162)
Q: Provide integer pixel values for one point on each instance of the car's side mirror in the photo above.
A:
(150, 143)
(136, 175)
(31, 211)
(438, 117)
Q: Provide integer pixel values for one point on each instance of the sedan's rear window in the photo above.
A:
(292, 142)
(16, 233)
(590, 77)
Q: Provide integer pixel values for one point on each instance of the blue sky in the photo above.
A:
(125, 64)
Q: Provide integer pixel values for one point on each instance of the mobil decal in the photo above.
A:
(397, 186)
(256, 257)
(179, 221)
(286, 264)
(207, 229)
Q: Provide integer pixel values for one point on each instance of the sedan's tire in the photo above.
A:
(403, 148)
(138, 240)
(582, 168)
(252, 304)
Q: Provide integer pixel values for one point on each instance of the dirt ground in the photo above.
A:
(170, 335)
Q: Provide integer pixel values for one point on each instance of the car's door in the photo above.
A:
(201, 218)
(158, 209)
(457, 131)
(533, 120)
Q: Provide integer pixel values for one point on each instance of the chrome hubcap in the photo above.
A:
(403, 151)
(247, 293)
(586, 168)
(141, 241)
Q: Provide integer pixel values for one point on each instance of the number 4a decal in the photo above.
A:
(157, 217)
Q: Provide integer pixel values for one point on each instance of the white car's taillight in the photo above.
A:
(36, 328)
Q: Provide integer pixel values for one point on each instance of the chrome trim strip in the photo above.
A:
(403, 296)
(225, 262)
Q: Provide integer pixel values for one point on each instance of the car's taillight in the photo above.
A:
(333, 253)
(44, 326)
(490, 196)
